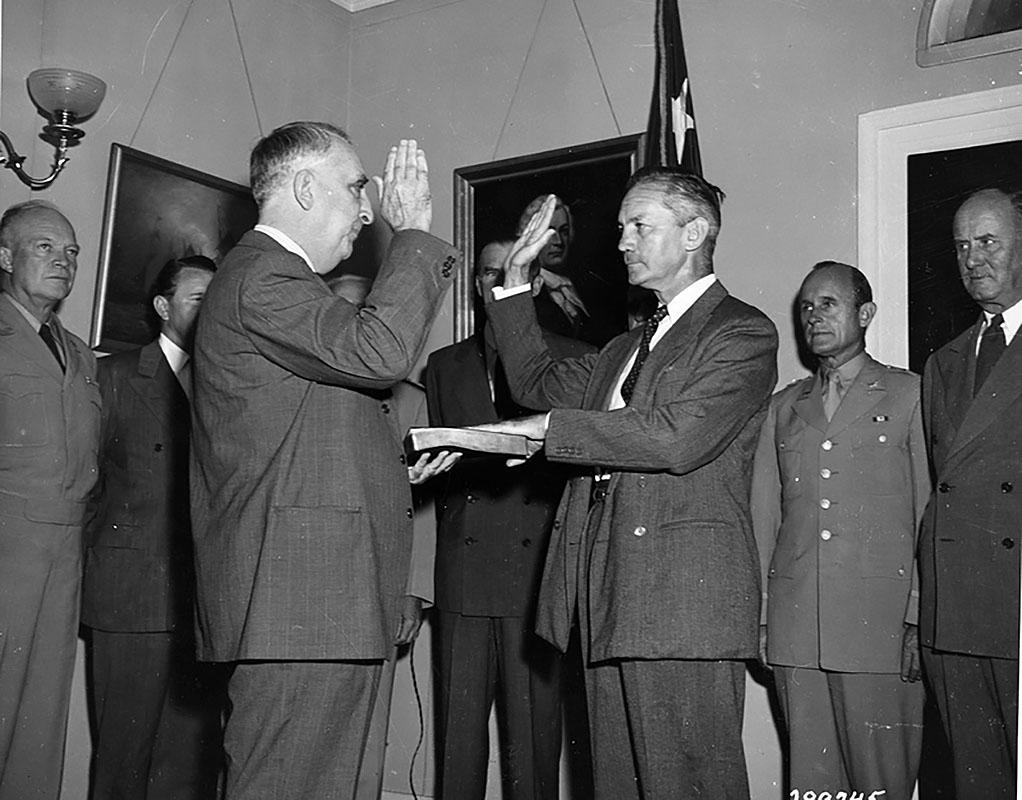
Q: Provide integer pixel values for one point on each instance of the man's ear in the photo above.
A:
(867, 311)
(301, 186)
(696, 232)
(537, 285)
(162, 307)
(6, 260)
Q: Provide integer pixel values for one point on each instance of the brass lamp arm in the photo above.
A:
(13, 162)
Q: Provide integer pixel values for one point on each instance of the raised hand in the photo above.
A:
(527, 246)
(405, 201)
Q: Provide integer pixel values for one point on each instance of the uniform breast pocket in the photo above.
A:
(790, 461)
(879, 461)
(25, 419)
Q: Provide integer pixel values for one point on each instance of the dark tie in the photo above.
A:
(47, 336)
(640, 356)
(991, 345)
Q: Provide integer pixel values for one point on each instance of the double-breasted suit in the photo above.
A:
(664, 571)
(836, 506)
(302, 512)
(969, 559)
(49, 436)
(493, 525)
(157, 712)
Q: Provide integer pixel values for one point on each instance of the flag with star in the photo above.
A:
(671, 134)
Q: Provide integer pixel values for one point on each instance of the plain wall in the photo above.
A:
(777, 87)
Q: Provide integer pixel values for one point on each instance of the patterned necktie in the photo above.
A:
(640, 356)
(831, 393)
(991, 345)
(47, 336)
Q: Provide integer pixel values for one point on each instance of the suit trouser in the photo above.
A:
(157, 714)
(297, 729)
(667, 730)
(40, 576)
(481, 659)
(978, 702)
(851, 732)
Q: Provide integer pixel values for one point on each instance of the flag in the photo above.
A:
(671, 134)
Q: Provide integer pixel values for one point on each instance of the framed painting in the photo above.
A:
(492, 198)
(917, 164)
(156, 210)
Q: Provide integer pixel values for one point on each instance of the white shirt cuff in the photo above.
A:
(499, 292)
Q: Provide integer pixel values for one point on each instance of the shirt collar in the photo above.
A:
(28, 315)
(1012, 320)
(687, 297)
(286, 242)
(847, 372)
(175, 356)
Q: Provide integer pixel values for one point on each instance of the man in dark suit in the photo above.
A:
(654, 545)
(157, 712)
(838, 489)
(49, 433)
(493, 525)
(972, 531)
(301, 508)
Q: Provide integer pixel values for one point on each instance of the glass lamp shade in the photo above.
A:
(76, 93)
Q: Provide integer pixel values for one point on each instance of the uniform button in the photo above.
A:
(408, 513)
(827, 444)
(901, 572)
(825, 473)
(1008, 543)
(825, 535)
(1007, 486)
(882, 438)
(640, 530)
(158, 447)
(526, 542)
(401, 458)
(825, 503)
(944, 487)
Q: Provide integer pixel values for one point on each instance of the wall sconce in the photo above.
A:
(65, 96)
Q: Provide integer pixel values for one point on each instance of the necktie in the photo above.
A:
(991, 345)
(47, 336)
(831, 393)
(640, 357)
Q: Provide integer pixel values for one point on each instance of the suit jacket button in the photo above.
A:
(640, 530)
(557, 523)
(401, 459)
(385, 408)
(158, 448)
(943, 487)
(469, 540)
(1007, 486)
(526, 542)
(470, 498)
(1008, 543)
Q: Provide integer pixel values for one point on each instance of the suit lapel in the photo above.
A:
(677, 342)
(809, 405)
(157, 386)
(1002, 388)
(608, 368)
(473, 396)
(866, 391)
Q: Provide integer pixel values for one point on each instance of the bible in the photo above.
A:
(470, 441)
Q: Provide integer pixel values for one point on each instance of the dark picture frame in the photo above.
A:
(156, 210)
(590, 178)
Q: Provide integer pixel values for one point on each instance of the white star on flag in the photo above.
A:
(683, 121)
